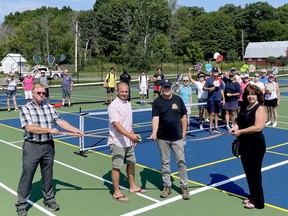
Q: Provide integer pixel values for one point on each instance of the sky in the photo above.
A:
(8, 6)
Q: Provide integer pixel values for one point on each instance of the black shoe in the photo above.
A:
(52, 205)
(21, 212)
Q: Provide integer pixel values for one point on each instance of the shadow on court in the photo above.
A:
(230, 187)
(123, 181)
(36, 192)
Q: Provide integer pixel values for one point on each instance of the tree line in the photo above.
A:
(140, 32)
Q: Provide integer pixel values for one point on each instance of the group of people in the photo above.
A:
(169, 127)
(28, 82)
(224, 95)
(143, 84)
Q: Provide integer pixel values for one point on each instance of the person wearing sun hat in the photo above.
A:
(185, 92)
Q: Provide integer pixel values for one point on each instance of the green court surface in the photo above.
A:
(83, 185)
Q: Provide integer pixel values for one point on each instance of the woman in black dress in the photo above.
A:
(250, 122)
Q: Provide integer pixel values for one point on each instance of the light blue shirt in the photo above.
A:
(185, 93)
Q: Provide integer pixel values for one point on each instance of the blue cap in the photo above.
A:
(215, 69)
(166, 83)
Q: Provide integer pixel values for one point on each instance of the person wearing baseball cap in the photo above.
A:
(272, 99)
(232, 93)
(215, 87)
(43, 79)
(215, 69)
(169, 124)
(258, 83)
(202, 97)
(157, 78)
(243, 84)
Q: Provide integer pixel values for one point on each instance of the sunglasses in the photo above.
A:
(256, 76)
(40, 93)
(185, 80)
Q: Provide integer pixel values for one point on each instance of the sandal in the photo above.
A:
(245, 201)
(249, 205)
(139, 191)
(122, 198)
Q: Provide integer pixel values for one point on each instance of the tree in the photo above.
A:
(193, 53)
(271, 60)
(215, 33)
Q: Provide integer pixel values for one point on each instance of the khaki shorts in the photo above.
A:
(121, 156)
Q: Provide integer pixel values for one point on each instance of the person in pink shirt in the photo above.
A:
(122, 141)
(243, 84)
(27, 85)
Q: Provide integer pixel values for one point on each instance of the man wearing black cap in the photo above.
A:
(126, 78)
(43, 79)
(215, 87)
(169, 125)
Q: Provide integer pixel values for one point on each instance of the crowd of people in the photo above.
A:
(29, 80)
(232, 95)
(217, 94)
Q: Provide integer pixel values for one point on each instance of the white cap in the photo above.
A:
(185, 78)
(245, 75)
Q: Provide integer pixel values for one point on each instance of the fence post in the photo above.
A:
(101, 70)
(177, 65)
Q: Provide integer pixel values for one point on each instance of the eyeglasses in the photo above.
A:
(40, 93)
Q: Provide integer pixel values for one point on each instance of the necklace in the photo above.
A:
(250, 107)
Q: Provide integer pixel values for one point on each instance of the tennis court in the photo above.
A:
(83, 184)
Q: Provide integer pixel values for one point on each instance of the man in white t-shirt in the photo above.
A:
(143, 87)
(122, 141)
(202, 96)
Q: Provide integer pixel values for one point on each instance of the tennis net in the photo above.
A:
(95, 126)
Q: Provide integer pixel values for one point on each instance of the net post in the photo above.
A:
(81, 139)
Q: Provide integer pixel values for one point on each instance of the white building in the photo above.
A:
(13, 63)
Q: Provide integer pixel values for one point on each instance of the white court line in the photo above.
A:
(208, 187)
(86, 173)
(29, 201)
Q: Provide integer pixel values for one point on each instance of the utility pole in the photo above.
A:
(242, 46)
(76, 47)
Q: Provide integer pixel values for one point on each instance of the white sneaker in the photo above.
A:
(274, 124)
(206, 120)
(228, 127)
(268, 123)
(201, 126)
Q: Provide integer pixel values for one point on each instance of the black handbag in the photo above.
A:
(236, 147)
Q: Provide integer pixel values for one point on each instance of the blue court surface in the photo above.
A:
(209, 161)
